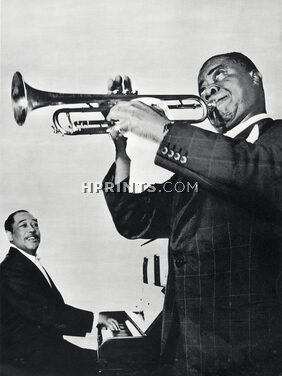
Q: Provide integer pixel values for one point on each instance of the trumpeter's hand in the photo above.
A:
(138, 118)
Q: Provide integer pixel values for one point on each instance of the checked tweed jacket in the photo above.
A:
(222, 311)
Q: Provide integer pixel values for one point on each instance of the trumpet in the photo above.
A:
(26, 99)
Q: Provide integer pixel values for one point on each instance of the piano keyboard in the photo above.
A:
(126, 329)
(129, 346)
(123, 330)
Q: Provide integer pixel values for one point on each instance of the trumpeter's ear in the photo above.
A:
(256, 77)
(9, 235)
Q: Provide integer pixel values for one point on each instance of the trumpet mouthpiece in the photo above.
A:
(211, 106)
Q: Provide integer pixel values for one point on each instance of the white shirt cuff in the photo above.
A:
(95, 321)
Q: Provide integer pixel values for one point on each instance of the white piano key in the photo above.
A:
(132, 329)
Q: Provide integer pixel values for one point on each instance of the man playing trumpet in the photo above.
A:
(222, 309)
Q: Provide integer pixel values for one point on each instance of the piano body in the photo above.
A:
(131, 347)
(137, 344)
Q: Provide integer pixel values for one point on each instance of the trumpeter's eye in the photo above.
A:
(220, 75)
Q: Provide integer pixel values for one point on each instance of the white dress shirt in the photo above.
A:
(254, 135)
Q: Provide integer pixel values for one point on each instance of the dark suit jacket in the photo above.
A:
(34, 315)
(222, 310)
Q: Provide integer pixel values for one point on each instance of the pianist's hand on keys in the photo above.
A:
(108, 322)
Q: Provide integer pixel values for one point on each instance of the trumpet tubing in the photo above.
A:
(26, 99)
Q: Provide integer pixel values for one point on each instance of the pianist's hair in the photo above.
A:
(8, 225)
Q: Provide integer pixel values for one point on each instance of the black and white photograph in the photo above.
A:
(141, 188)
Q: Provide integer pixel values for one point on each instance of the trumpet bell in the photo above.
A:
(19, 98)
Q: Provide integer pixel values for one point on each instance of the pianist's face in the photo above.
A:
(25, 232)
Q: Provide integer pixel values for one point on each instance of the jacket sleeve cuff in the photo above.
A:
(180, 150)
(171, 151)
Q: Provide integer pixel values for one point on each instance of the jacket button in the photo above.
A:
(179, 259)
(164, 150)
(177, 156)
(183, 159)
(170, 154)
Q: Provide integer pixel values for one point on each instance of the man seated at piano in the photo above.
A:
(34, 316)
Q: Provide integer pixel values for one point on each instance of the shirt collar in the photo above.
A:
(245, 124)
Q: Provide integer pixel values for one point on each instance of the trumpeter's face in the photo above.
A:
(231, 89)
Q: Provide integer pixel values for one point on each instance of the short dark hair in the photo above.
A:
(8, 225)
(236, 57)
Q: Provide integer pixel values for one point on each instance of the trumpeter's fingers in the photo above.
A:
(127, 85)
(110, 85)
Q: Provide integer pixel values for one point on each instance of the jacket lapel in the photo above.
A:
(34, 273)
(54, 288)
